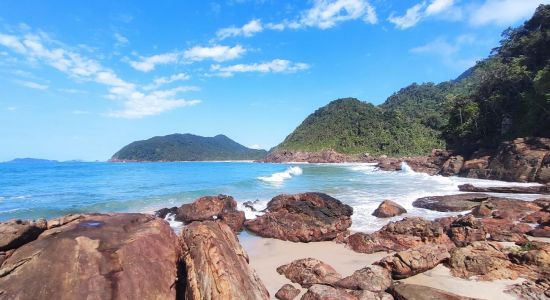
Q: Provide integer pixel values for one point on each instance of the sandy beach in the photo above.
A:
(267, 254)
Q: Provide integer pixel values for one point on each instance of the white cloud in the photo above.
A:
(120, 40)
(449, 51)
(327, 13)
(71, 91)
(136, 102)
(159, 81)
(217, 53)
(32, 85)
(247, 30)
(422, 10)
(255, 146)
(274, 66)
(504, 12)
(147, 64)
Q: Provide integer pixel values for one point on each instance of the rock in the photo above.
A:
(325, 156)
(287, 292)
(410, 262)
(505, 189)
(504, 230)
(309, 271)
(16, 233)
(476, 167)
(57, 222)
(460, 202)
(206, 208)
(368, 295)
(544, 203)
(388, 209)
(372, 278)
(466, 230)
(485, 260)
(216, 264)
(452, 166)
(250, 205)
(325, 292)
(541, 231)
(306, 217)
(505, 208)
(235, 219)
(400, 235)
(163, 212)
(539, 217)
(538, 289)
(419, 292)
(118, 256)
(532, 253)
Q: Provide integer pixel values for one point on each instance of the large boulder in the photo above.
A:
(388, 209)
(117, 256)
(216, 264)
(456, 203)
(372, 278)
(16, 233)
(452, 166)
(309, 271)
(410, 262)
(419, 292)
(537, 189)
(400, 235)
(306, 217)
(205, 208)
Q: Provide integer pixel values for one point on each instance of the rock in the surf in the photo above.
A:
(206, 208)
(388, 209)
(130, 256)
(306, 217)
(216, 264)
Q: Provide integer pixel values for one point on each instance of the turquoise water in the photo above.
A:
(46, 190)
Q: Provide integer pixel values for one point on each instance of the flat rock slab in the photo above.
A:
(118, 256)
(216, 264)
(459, 202)
(538, 189)
(420, 292)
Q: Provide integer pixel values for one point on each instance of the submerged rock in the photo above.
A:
(309, 271)
(388, 209)
(410, 262)
(116, 256)
(216, 264)
(303, 217)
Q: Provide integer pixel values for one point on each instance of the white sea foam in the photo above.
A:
(177, 226)
(258, 206)
(280, 177)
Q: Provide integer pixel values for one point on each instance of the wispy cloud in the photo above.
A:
(217, 53)
(136, 102)
(422, 10)
(274, 66)
(31, 84)
(449, 51)
(149, 63)
(120, 40)
(247, 30)
(504, 12)
(160, 81)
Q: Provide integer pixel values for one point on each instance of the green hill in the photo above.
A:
(502, 97)
(187, 147)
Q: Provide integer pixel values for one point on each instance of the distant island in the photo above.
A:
(31, 160)
(186, 147)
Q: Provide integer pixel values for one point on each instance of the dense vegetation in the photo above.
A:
(502, 97)
(187, 147)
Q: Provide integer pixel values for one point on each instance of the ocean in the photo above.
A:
(49, 189)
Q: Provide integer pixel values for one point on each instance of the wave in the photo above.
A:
(280, 177)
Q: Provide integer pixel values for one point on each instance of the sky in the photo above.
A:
(81, 79)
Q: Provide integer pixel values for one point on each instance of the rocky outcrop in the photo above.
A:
(538, 289)
(287, 292)
(452, 166)
(465, 230)
(326, 156)
(505, 208)
(542, 189)
(400, 235)
(15, 233)
(117, 256)
(303, 217)
(484, 260)
(416, 292)
(372, 278)
(410, 262)
(309, 271)
(325, 292)
(388, 209)
(504, 230)
(216, 265)
(456, 203)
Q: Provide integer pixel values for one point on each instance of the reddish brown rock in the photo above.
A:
(400, 235)
(287, 292)
(325, 292)
(206, 208)
(372, 278)
(538, 289)
(16, 233)
(410, 262)
(460, 202)
(540, 231)
(544, 203)
(539, 217)
(388, 209)
(118, 256)
(216, 264)
(303, 217)
(504, 189)
(235, 219)
(504, 230)
(309, 271)
(505, 208)
(57, 222)
(533, 253)
(419, 292)
(465, 230)
(485, 260)
(452, 166)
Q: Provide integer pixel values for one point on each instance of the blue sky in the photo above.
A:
(80, 79)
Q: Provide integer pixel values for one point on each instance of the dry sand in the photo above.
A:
(268, 254)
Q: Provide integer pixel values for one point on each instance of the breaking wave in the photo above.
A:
(280, 177)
